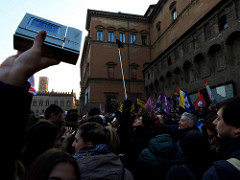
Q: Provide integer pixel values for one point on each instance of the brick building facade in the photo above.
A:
(44, 98)
(201, 43)
(176, 44)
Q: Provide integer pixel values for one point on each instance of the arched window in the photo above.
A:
(173, 10)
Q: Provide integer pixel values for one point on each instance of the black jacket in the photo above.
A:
(155, 160)
(222, 169)
(14, 108)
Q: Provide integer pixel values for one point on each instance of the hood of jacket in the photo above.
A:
(107, 166)
(163, 146)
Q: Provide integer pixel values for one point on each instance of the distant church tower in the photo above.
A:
(43, 84)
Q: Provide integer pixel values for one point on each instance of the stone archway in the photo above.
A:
(201, 66)
(187, 72)
(217, 58)
(233, 48)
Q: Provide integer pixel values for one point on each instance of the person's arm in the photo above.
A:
(17, 69)
(15, 99)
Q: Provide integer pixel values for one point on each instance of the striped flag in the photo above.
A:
(211, 97)
(32, 89)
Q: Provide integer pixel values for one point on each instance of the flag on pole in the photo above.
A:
(160, 100)
(141, 103)
(101, 108)
(200, 100)
(181, 99)
(188, 103)
(150, 103)
(211, 97)
(32, 89)
(167, 103)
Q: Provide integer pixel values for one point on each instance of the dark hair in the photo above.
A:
(209, 124)
(230, 110)
(43, 165)
(96, 119)
(195, 146)
(39, 138)
(53, 108)
(94, 111)
(147, 120)
(71, 120)
(92, 132)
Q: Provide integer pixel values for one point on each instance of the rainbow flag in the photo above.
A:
(211, 97)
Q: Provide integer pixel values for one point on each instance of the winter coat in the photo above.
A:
(99, 163)
(14, 121)
(222, 169)
(155, 160)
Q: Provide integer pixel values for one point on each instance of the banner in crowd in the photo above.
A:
(185, 101)
(150, 103)
(199, 100)
(160, 100)
(102, 110)
(211, 97)
(141, 103)
(32, 89)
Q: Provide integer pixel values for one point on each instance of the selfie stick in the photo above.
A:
(120, 45)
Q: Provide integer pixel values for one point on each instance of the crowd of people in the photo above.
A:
(204, 144)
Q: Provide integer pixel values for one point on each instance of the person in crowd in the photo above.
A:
(197, 157)
(138, 140)
(14, 86)
(94, 111)
(161, 153)
(228, 127)
(71, 125)
(53, 164)
(187, 122)
(40, 137)
(211, 131)
(54, 113)
(94, 155)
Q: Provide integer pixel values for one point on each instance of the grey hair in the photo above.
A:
(191, 117)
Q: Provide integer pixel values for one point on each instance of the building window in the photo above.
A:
(158, 26)
(62, 103)
(207, 31)
(110, 36)
(144, 39)
(47, 103)
(133, 73)
(169, 61)
(173, 10)
(223, 23)
(68, 104)
(56, 102)
(34, 103)
(110, 72)
(99, 35)
(122, 37)
(133, 38)
(40, 103)
(174, 14)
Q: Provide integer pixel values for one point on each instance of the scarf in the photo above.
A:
(92, 150)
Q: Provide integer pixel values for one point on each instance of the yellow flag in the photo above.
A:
(141, 102)
(121, 108)
(181, 99)
(132, 107)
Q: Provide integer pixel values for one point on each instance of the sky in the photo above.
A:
(63, 77)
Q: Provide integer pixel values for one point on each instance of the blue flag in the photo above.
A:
(188, 103)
